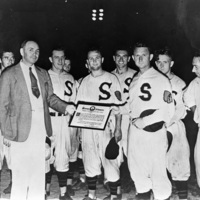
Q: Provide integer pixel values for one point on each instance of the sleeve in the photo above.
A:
(5, 103)
(166, 106)
(180, 110)
(116, 94)
(74, 92)
(189, 95)
(54, 101)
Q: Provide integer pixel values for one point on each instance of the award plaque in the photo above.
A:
(90, 115)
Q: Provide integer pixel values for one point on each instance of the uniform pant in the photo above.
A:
(197, 157)
(125, 128)
(178, 156)
(62, 145)
(147, 162)
(94, 143)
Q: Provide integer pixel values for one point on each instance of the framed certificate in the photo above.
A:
(90, 115)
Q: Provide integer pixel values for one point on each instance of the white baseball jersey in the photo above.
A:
(191, 98)
(178, 162)
(101, 89)
(65, 88)
(125, 81)
(147, 150)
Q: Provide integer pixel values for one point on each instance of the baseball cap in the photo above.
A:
(112, 149)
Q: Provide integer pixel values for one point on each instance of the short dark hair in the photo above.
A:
(5, 51)
(141, 44)
(95, 49)
(121, 48)
(196, 53)
(163, 51)
(58, 48)
(26, 41)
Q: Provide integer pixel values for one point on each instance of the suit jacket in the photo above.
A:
(15, 105)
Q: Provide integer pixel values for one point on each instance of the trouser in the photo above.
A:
(28, 163)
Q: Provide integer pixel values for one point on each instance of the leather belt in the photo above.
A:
(55, 114)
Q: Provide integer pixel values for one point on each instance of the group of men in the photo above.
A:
(147, 107)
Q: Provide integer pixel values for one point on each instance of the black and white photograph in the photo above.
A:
(100, 99)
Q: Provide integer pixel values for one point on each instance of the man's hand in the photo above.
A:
(6, 142)
(167, 125)
(114, 110)
(70, 109)
(138, 123)
(118, 134)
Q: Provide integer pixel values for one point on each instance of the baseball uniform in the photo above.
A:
(147, 150)
(191, 98)
(125, 80)
(64, 88)
(178, 162)
(102, 89)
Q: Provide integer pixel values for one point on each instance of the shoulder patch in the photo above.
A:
(118, 95)
(167, 96)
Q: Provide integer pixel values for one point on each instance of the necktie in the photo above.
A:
(34, 85)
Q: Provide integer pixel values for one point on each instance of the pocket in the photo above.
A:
(11, 127)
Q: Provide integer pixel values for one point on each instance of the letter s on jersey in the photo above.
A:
(69, 85)
(145, 90)
(127, 82)
(104, 91)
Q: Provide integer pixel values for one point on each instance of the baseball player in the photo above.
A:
(178, 161)
(67, 65)
(124, 74)
(7, 59)
(191, 99)
(100, 87)
(150, 105)
(64, 88)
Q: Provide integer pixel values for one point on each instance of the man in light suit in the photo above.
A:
(26, 94)
(7, 59)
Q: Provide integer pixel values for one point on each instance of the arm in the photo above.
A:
(54, 101)
(180, 110)
(118, 131)
(5, 103)
(189, 95)
(164, 108)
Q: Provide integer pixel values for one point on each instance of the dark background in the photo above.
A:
(160, 22)
(175, 23)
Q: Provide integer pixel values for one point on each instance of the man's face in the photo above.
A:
(57, 59)
(196, 66)
(7, 59)
(164, 64)
(67, 65)
(94, 61)
(142, 57)
(121, 59)
(30, 53)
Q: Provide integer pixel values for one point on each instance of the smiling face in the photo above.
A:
(58, 60)
(67, 65)
(30, 53)
(121, 59)
(94, 60)
(7, 59)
